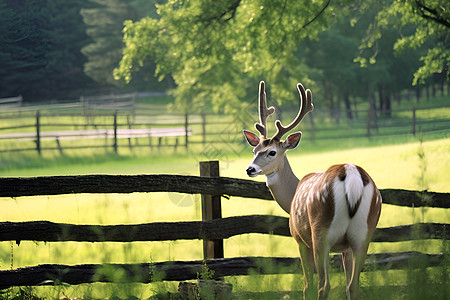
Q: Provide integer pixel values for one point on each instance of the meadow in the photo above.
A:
(404, 161)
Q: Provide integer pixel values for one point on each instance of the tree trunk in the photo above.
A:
(337, 111)
(387, 102)
(418, 94)
(355, 105)
(373, 111)
(381, 99)
(397, 97)
(348, 106)
(332, 107)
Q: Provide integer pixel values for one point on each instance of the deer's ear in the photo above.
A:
(292, 140)
(251, 138)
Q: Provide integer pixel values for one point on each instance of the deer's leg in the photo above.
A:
(307, 259)
(359, 257)
(347, 263)
(321, 260)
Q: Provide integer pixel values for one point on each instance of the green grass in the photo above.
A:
(224, 133)
(395, 166)
(392, 161)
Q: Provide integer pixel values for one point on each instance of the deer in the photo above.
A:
(332, 211)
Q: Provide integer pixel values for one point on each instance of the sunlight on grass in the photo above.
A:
(393, 166)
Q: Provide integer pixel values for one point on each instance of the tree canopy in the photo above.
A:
(430, 20)
(104, 25)
(40, 43)
(219, 50)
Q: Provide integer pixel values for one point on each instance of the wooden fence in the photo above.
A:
(212, 229)
(11, 102)
(109, 102)
(111, 130)
(39, 127)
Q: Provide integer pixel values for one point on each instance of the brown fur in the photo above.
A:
(310, 202)
(310, 220)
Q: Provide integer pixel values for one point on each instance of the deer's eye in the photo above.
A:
(272, 153)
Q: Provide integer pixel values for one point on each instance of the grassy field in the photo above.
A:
(223, 132)
(401, 161)
(397, 166)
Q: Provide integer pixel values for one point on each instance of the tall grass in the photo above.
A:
(401, 166)
(394, 162)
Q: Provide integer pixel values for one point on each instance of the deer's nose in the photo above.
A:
(250, 171)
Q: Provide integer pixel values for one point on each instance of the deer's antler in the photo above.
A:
(264, 111)
(305, 107)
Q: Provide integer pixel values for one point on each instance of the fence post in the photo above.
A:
(211, 209)
(186, 124)
(204, 126)
(59, 146)
(115, 132)
(38, 132)
(414, 121)
(130, 127)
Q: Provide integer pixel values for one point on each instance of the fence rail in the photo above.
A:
(188, 270)
(104, 184)
(209, 230)
(35, 129)
(11, 102)
(217, 229)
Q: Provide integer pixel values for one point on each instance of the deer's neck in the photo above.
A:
(283, 185)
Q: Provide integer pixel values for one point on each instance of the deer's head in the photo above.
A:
(270, 152)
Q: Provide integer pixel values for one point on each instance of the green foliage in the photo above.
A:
(219, 50)
(206, 273)
(39, 52)
(104, 23)
(431, 22)
(18, 293)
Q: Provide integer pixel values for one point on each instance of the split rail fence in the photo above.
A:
(142, 127)
(213, 229)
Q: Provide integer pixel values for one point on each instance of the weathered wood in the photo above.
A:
(212, 229)
(159, 231)
(411, 232)
(187, 270)
(415, 199)
(54, 185)
(211, 210)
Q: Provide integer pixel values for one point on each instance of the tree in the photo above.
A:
(104, 25)
(330, 58)
(40, 43)
(219, 50)
(431, 21)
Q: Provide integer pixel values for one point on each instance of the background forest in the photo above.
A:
(113, 88)
(52, 49)
(204, 51)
